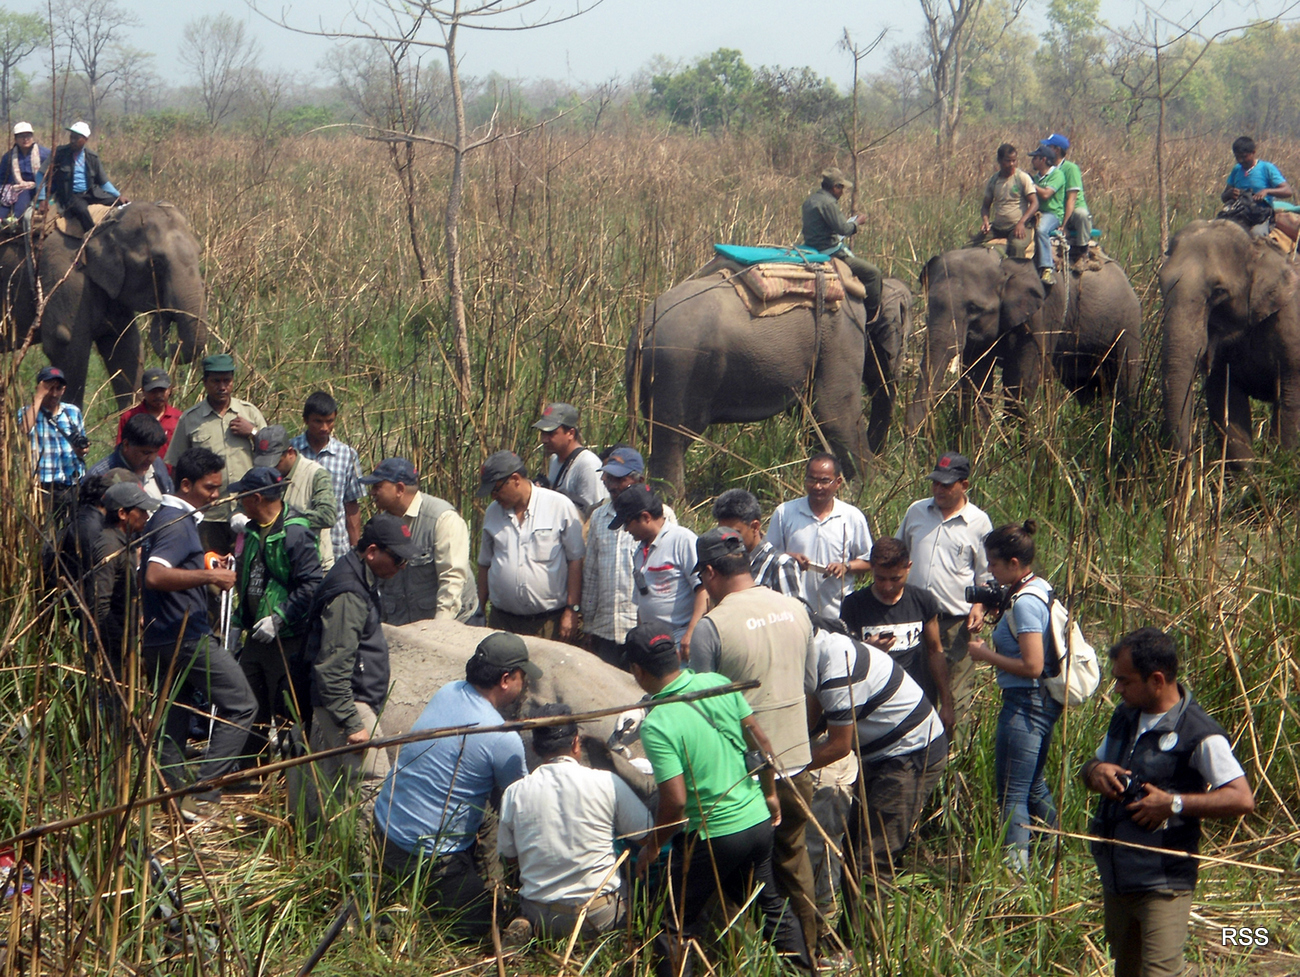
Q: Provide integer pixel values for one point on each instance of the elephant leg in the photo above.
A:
(72, 356)
(1286, 412)
(933, 364)
(123, 355)
(977, 389)
(878, 377)
(1021, 375)
(1230, 414)
(839, 418)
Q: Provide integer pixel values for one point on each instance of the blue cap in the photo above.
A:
(624, 461)
(392, 470)
(256, 479)
(1056, 139)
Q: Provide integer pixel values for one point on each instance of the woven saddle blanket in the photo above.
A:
(776, 287)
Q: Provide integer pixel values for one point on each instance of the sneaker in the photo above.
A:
(202, 805)
(519, 932)
(1047, 276)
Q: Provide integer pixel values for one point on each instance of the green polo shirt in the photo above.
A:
(1073, 181)
(721, 798)
(1055, 204)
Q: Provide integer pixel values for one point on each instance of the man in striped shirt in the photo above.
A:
(739, 510)
(862, 691)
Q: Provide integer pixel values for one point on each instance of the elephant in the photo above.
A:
(142, 259)
(993, 310)
(700, 359)
(1230, 312)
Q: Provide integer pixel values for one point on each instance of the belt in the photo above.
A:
(564, 909)
(535, 617)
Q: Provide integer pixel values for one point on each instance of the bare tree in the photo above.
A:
(437, 25)
(949, 31)
(858, 53)
(135, 81)
(222, 56)
(89, 30)
(20, 36)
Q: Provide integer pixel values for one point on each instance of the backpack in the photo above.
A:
(1071, 672)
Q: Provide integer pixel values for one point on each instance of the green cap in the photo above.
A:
(219, 363)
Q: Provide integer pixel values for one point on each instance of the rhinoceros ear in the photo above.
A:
(1272, 282)
(1021, 292)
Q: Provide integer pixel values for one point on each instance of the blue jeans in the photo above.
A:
(1024, 736)
(1047, 223)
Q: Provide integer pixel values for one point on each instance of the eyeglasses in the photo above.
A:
(820, 482)
(497, 487)
(398, 561)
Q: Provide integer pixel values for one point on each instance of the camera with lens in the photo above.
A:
(1134, 788)
(992, 595)
(78, 441)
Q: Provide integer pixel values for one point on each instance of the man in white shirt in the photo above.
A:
(560, 822)
(945, 536)
(530, 554)
(829, 539)
(574, 470)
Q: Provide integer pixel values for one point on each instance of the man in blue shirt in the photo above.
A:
(77, 178)
(1263, 181)
(432, 802)
(57, 433)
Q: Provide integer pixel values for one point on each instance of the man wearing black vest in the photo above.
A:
(1163, 766)
(76, 178)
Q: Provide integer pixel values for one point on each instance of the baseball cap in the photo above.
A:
(271, 442)
(23, 127)
(558, 415)
(80, 128)
(129, 495)
(218, 363)
(1044, 151)
(1056, 139)
(51, 373)
(499, 465)
(649, 643)
(256, 479)
(836, 178)
(624, 461)
(504, 650)
(950, 468)
(632, 503)
(389, 533)
(155, 379)
(392, 470)
(718, 542)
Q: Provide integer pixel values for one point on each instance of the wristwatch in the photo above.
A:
(576, 608)
(1176, 804)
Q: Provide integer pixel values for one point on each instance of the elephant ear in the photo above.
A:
(1272, 282)
(1021, 293)
(107, 256)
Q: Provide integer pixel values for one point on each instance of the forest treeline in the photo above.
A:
(1052, 64)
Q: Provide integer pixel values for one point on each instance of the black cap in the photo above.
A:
(649, 644)
(128, 495)
(392, 470)
(718, 542)
(631, 503)
(950, 469)
(271, 442)
(1044, 151)
(501, 649)
(499, 465)
(389, 533)
(557, 415)
(51, 373)
(155, 379)
(256, 479)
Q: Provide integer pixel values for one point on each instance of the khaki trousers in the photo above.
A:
(961, 675)
(790, 862)
(362, 772)
(1146, 932)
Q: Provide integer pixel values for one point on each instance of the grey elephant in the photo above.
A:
(141, 260)
(992, 311)
(700, 359)
(1231, 313)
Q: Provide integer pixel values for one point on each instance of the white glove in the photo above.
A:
(266, 629)
(239, 522)
(627, 727)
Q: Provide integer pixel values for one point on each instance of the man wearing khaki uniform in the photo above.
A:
(223, 424)
(437, 583)
(756, 633)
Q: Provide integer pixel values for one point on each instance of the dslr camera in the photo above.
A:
(992, 595)
(78, 441)
(1134, 788)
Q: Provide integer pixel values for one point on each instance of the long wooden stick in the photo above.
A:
(418, 736)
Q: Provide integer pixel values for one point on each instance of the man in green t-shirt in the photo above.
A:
(697, 750)
(1076, 220)
(1049, 183)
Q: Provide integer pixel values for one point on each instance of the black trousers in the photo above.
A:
(448, 882)
(76, 206)
(736, 863)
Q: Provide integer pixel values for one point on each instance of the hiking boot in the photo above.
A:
(1047, 276)
(519, 932)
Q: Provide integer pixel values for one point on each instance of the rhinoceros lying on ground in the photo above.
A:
(427, 655)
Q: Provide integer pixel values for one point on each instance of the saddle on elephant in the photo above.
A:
(54, 220)
(773, 281)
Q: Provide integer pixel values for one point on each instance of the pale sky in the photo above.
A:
(619, 37)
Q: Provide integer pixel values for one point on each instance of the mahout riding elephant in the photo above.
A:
(142, 259)
(1232, 314)
(993, 311)
(700, 359)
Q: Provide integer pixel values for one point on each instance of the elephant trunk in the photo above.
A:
(186, 305)
(1182, 350)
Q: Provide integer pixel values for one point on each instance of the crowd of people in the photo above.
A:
(809, 784)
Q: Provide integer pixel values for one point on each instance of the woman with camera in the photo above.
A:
(1028, 714)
